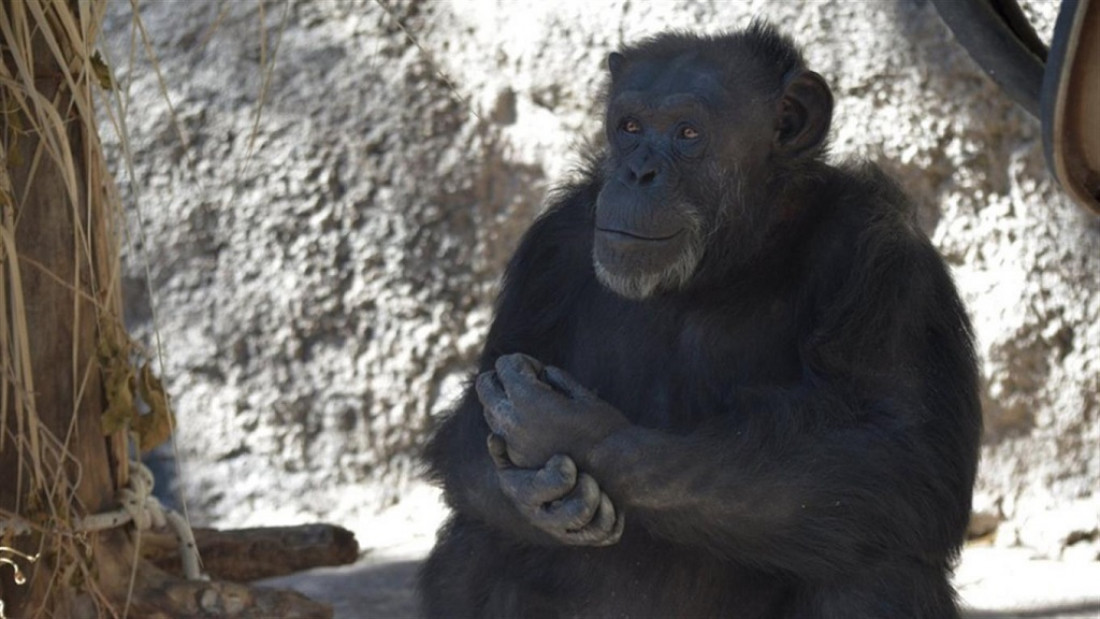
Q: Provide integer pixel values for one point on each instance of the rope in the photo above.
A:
(139, 506)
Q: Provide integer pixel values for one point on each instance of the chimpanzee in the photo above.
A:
(724, 378)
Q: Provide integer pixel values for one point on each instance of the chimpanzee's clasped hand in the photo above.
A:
(542, 411)
(543, 422)
(558, 500)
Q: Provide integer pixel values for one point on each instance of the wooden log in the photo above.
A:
(187, 599)
(156, 594)
(243, 555)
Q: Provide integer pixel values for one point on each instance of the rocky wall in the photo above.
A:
(322, 264)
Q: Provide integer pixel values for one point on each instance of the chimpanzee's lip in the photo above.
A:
(634, 236)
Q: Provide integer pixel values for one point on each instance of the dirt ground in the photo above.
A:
(993, 583)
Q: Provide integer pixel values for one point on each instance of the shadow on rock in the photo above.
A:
(359, 591)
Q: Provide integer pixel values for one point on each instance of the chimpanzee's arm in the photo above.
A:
(546, 500)
(873, 455)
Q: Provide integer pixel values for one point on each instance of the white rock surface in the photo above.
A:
(323, 265)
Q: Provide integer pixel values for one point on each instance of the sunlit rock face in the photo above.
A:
(323, 265)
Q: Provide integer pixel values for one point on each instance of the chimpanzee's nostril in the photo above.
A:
(642, 177)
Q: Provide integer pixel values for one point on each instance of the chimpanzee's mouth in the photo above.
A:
(634, 236)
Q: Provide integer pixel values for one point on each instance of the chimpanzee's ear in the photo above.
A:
(615, 62)
(804, 113)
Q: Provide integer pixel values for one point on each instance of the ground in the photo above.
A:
(993, 583)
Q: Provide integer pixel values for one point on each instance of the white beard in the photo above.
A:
(638, 286)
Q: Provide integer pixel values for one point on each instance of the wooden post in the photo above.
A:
(58, 284)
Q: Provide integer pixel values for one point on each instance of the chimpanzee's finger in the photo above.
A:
(531, 489)
(497, 408)
(605, 529)
(563, 382)
(521, 377)
(522, 363)
(575, 510)
(498, 451)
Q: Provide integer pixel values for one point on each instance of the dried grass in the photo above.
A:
(49, 475)
(53, 41)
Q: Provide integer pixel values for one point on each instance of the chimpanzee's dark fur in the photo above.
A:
(789, 430)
